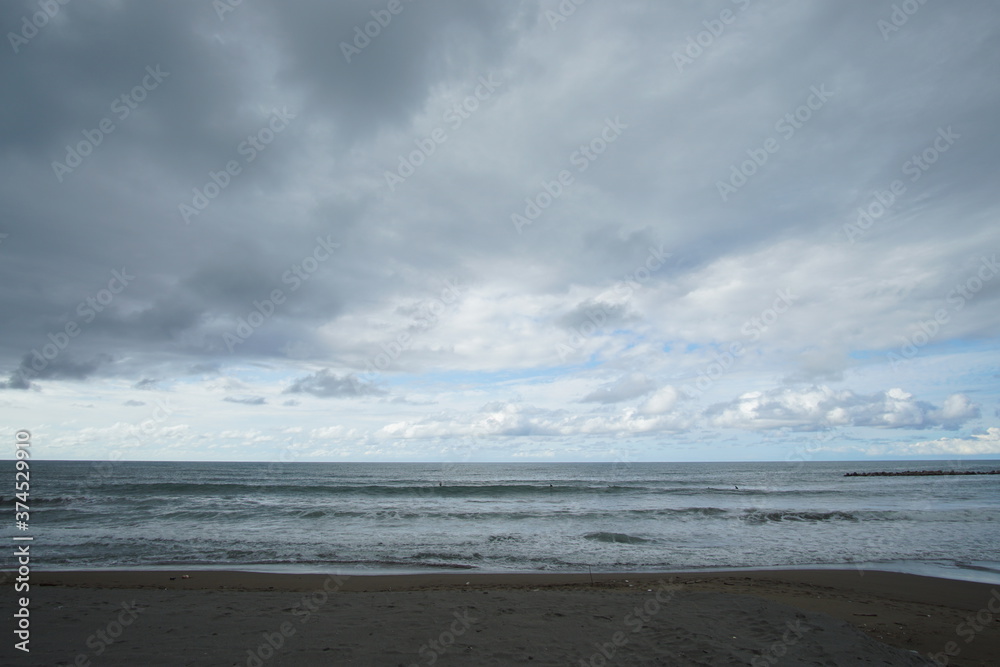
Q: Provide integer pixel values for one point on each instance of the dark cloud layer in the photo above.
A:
(483, 199)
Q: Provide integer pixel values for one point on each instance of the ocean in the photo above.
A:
(556, 517)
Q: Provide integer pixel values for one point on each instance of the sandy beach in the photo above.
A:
(806, 617)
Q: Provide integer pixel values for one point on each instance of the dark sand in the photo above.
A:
(802, 617)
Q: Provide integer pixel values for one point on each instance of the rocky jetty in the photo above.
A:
(921, 473)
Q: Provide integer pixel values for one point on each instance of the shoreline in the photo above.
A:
(986, 573)
(368, 581)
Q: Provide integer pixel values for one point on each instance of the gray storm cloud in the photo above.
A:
(197, 204)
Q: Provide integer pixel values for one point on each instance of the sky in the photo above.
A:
(454, 230)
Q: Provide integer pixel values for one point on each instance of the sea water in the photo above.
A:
(556, 517)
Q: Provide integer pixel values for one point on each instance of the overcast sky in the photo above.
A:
(451, 230)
